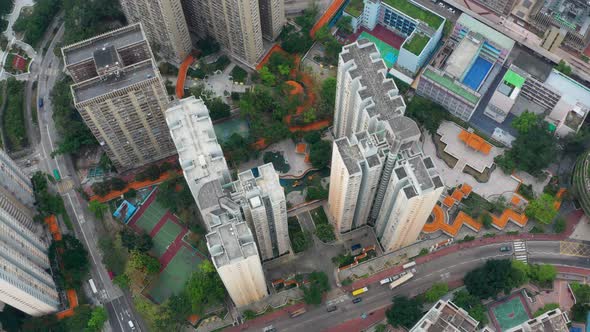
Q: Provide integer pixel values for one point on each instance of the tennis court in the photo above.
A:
(150, 217)
(176, 274)
(165, 236)
(510, 313)
(388, 52)
(477, 73)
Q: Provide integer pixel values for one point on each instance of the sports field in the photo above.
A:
(388, 52)
(179, 269)
(178, 260)
(151, 216)
(510, 313)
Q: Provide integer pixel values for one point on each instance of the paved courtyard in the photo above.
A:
(219, 83)
(499, 183)
(295, 160)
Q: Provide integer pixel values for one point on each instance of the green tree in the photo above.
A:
(492, 278)
(486, 220)
(79, 321)
(97, 319)
(404, 312)
(98, 209)
(325, 232)
(345, 24)
(563, 67)
(14, 116)
(204, 287)
(322, 34)
(543, 273)
(132, 241)
(74, 259)
(267, 77)
(426, 113)
(317, 286)
(380, 328)
(309, 115)
(437, 291)
(560, 225)
(472, 305)
(144, 262)
(249, 314)
(320, 154)
(542, 209)
(35, 24)
(218, 109)
(524, 122)
(122, 280)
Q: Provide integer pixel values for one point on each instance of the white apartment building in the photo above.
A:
(379, 175)
(551, 321)
(24, 284)
(234, 24)
(199, 153)
(265, 208)
(165, 26)
(234, 254)
(230, 241)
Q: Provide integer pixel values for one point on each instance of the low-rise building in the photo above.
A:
(465, 67)
(551, 321)
(446, 316)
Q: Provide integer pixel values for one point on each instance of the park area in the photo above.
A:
(177, 258)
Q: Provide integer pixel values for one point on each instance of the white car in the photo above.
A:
(442, 5)
(130, 323)
(450, 9)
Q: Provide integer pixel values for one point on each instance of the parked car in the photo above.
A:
(331, 308)
(505, 248)
(442, 5)
(357, 299)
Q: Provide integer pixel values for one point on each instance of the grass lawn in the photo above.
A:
(417, 43)
(323, 229)
(319, 216)
(300, 241)
(355, 8)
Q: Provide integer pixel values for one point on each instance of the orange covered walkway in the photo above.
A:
(132, 185)
(327, 16)
(182, 75)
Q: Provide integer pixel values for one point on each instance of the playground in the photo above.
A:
(177, 258)
(509, 313)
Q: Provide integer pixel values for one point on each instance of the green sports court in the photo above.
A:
(509, 313)
(178, 260)
(176, 274)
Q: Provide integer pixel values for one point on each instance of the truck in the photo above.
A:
(409, 265)
(401, 280)
(92, 286)
(297, 312)
(359, 291)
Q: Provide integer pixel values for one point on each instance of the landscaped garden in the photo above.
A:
(323, 229)
(300, 240)
(417, 43)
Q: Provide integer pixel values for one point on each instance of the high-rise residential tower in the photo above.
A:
(235, 24)
(272, 17)
(121, 96)
(379, 175)
(230, 209)
(24, 283)
(164, 24)
(234, 254)
(265, 208)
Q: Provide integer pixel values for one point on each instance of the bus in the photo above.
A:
(393, 278)
(56, 175)
(93, 286)
(409, 265)
(401, 280)
(360, 291)
(298, 312)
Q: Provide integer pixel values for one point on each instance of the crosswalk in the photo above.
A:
(520, 252)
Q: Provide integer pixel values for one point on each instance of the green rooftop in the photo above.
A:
(416, 12)
(448, 83)
(416, 43)
(514, 79)
(355, 8)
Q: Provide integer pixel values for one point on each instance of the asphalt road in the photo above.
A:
(116, 302)
(448, 268)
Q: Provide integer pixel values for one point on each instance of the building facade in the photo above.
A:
(379, 175)
(235, 24)
(24, 282)
(501, 7)
(551, 321)
(265, 209)
(121, 96)
(272, 18)
(165, 26)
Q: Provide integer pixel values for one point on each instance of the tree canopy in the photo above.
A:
(472, 305)
(74, 260)
(317, 286)
(320, 154)
(133, 241)
(542, 209)
(404, 312)
(205, 288)
(427, 113)
(524, 122)
(494, 277)
(437, 291)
